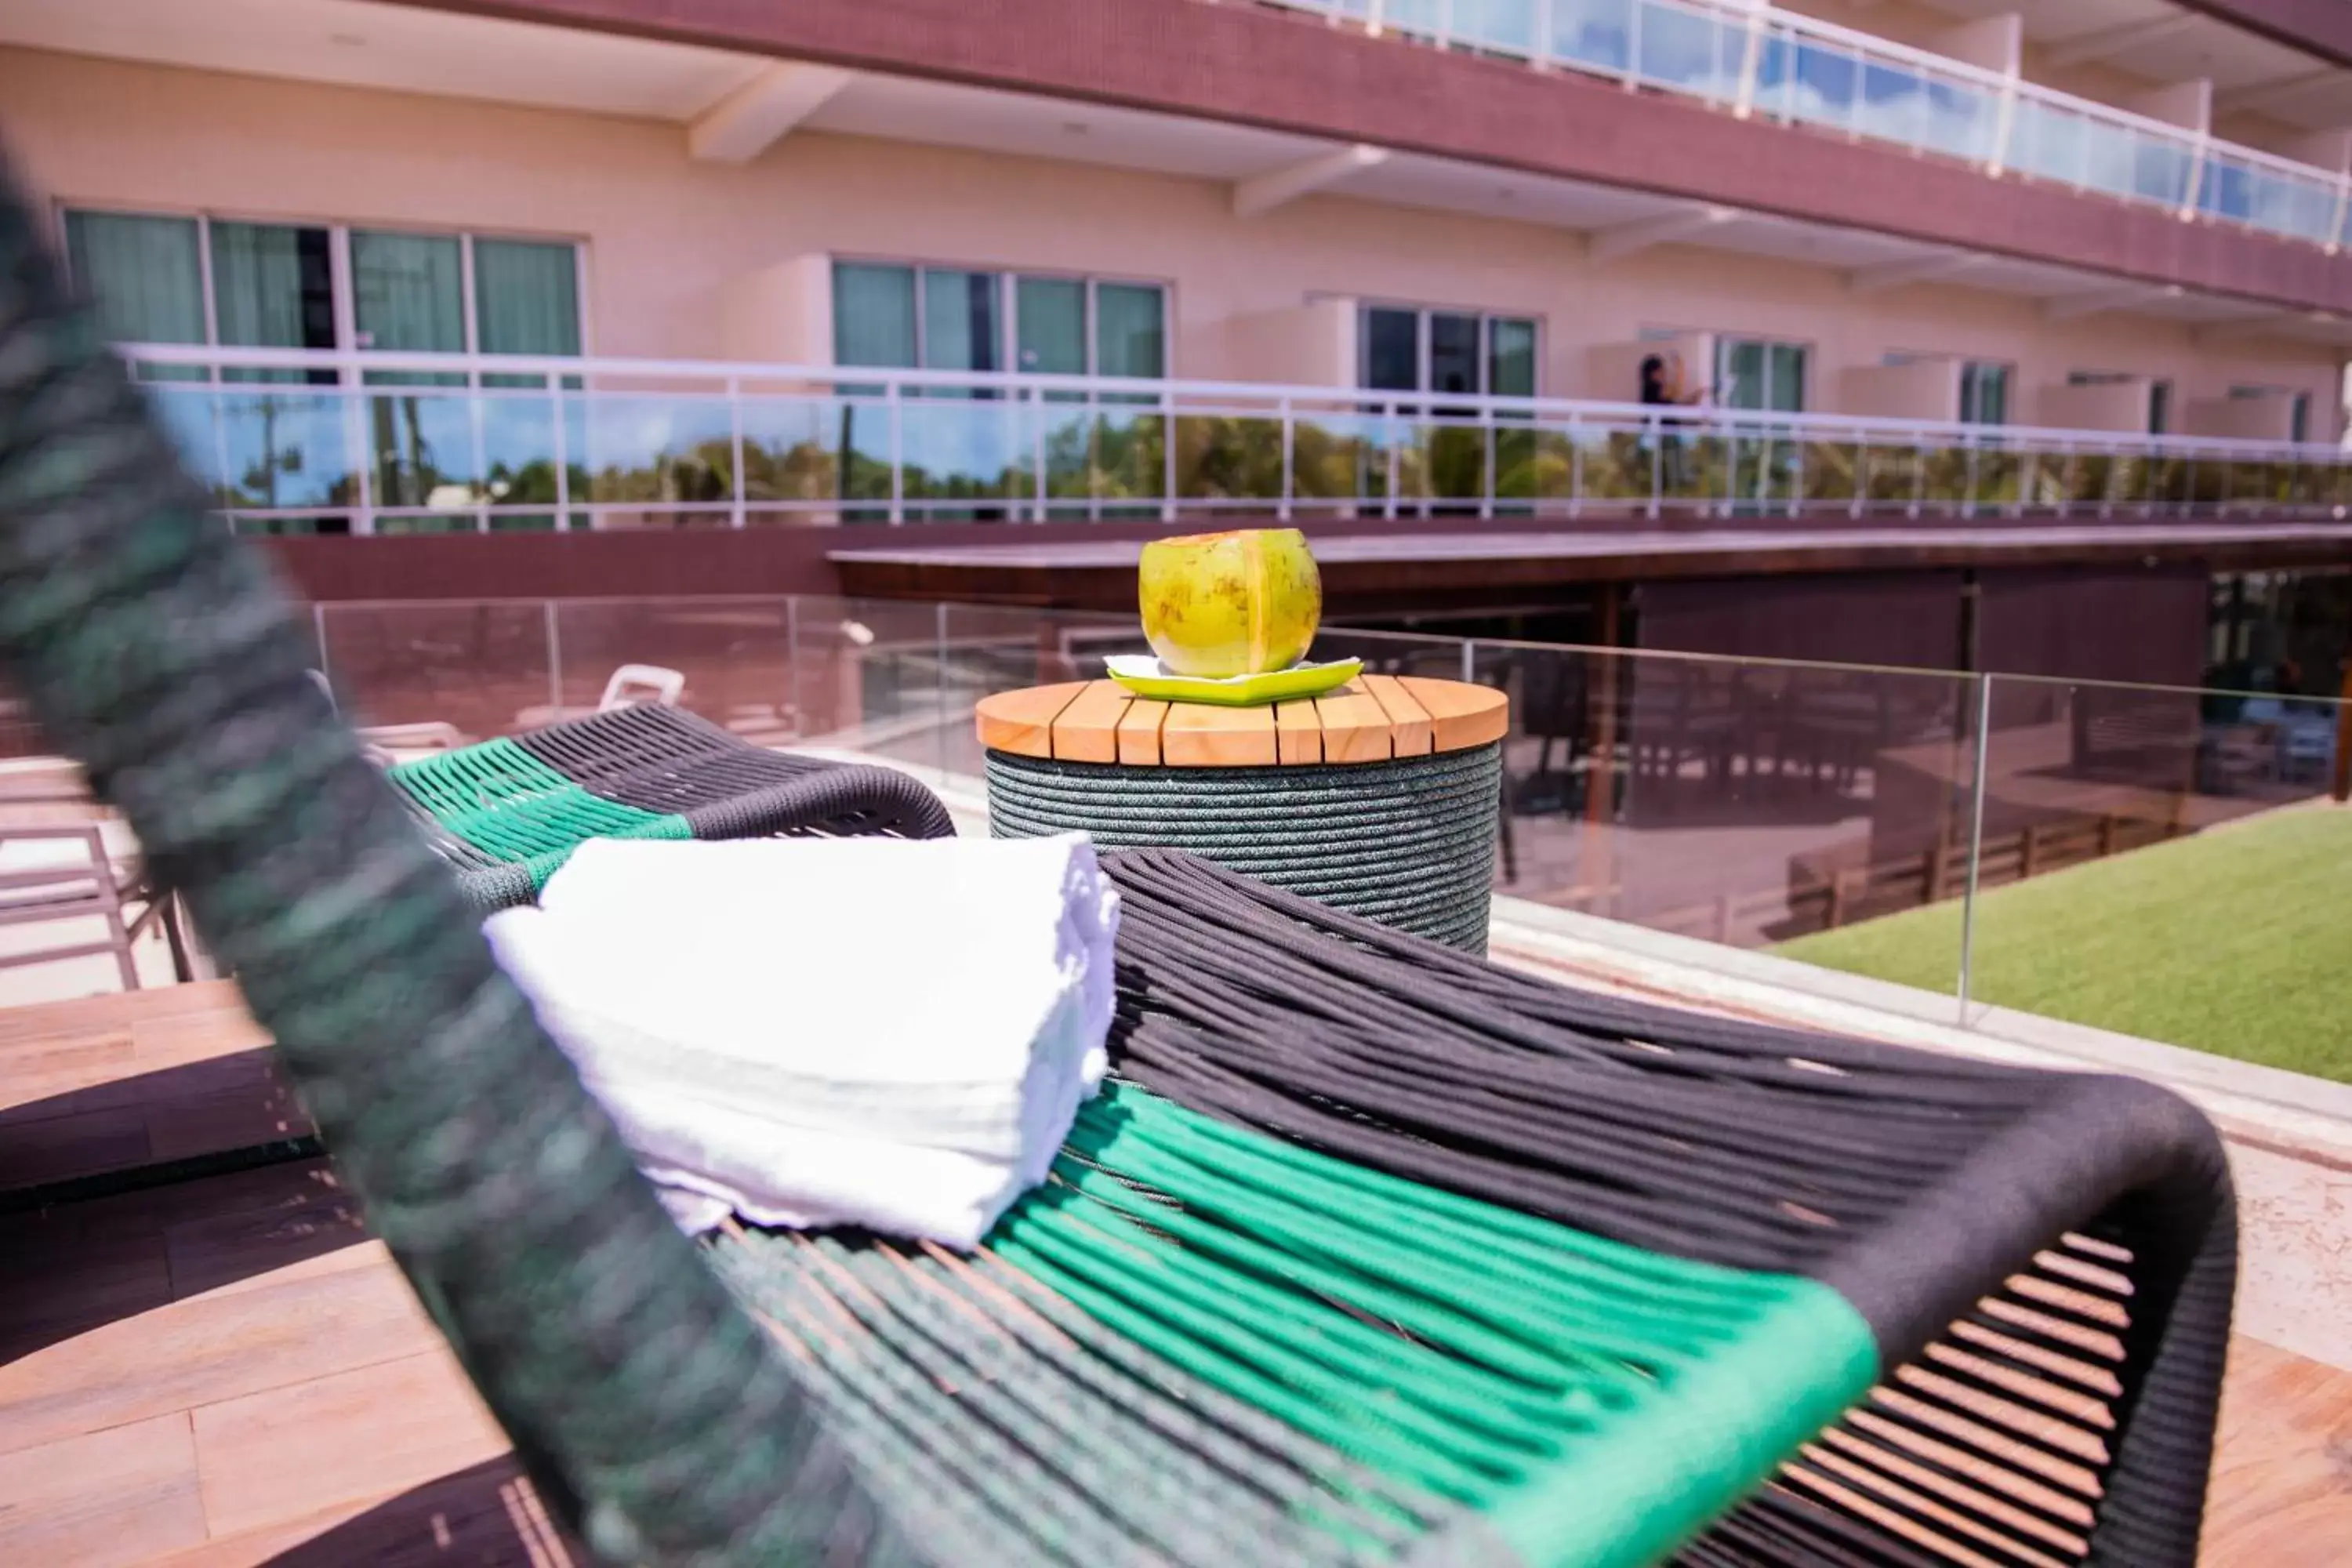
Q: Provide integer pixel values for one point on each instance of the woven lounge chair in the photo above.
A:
(1374, 1251)
(506, 813)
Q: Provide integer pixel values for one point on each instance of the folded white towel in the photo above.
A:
(830, 1031)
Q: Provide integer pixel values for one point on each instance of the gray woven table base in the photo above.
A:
(1409, 843)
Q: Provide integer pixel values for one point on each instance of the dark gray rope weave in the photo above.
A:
(1408, 842)
(1923, 1188)
(654, 1415)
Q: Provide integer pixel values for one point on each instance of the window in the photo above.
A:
(936, 318)
(1984, 393)
(1403, 349)
(235, 284)
(1754, 373)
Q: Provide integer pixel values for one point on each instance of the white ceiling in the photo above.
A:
(352, 42)
(2165, 43)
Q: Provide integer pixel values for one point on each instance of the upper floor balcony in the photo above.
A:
(298, 441)
(1757, 61)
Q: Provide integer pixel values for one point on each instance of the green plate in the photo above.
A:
(1146, 677)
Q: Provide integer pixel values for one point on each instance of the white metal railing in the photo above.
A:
(1755, 60)
(368, 442)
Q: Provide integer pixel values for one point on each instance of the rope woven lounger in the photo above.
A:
(1270, 1310)
(508, 811)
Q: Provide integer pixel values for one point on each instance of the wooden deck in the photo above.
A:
(228, 1370)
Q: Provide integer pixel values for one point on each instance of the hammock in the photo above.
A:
(1375, 1251)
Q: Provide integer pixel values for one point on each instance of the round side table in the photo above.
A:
(1380, 798)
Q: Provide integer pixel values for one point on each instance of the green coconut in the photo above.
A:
(1221, 604)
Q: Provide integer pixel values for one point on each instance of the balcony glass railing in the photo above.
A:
(1867, 818)
(495, 443)
(1758, 60)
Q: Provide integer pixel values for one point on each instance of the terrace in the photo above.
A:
(484, 442)
(1779, 66)
(1668, 821)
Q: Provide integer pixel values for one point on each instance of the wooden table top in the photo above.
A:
(1372, 718)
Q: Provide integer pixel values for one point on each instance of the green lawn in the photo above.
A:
(2238, 940)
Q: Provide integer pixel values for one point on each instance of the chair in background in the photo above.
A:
(390, 743)
(508, 812)
(641, 686)
(52, 875)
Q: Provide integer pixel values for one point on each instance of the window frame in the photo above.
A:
(1725, 340)
(1008, 302)
(339, 233)
(1366, 304)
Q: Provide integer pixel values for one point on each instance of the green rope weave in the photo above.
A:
(1596, 1403)
(1409, 843)
(517, 810)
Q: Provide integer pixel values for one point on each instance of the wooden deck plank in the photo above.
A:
(287, 1452)
(2281, 1490)
(226, 1344)
(486, 1516)
(111, 1083)
(104, 1500)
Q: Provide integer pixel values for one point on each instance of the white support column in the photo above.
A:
(1900, 274)
(762, 111)
(1620, 240)
(2099, 301)
(2102, 44)
(1996, 43)
(1261, 194)
(2190, 105)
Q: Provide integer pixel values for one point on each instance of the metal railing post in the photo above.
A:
(554, 661)
(2004, 128)
(735, 445)
(560, 445)
(897, 459)
(1751, 61)
(1488, 490)
(792, 663)
(1289, 466)
(1388, 441)
(1037, 400)
(1166, 456)
(1976, 841)
(1575, 469)
(940, 685)
(1657, 463)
